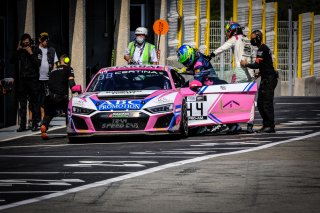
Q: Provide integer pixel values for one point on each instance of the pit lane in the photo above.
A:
(32, 168)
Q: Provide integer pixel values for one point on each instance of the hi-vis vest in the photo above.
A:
(147, 50)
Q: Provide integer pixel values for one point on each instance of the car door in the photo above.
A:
(220, 104)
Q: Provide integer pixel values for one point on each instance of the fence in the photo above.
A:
(283, 44)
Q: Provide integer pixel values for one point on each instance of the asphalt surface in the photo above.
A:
(277, 172)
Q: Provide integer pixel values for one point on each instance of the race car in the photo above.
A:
(154, 99)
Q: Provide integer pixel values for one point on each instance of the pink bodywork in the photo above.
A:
(227, 103)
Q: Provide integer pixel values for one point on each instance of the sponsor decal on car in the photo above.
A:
(193, 118)
(125, 92)
(119, 115)
(120, 124)
(120, 105)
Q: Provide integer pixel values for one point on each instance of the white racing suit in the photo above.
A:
(242, 49)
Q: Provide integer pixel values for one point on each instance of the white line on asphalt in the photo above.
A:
(293, 127)
(88, 144)
(40, 180)
(169, 153)
(18, 192)
(302, 103)
(110, 156)
(148, 171)
(33, 133)
(35, 184)
(229, 143)
(65, 173)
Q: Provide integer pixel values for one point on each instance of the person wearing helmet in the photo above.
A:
(139, 51)
(200, 66)
(242, 49)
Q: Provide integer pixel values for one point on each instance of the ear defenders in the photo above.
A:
(66, 60)
(258, 38)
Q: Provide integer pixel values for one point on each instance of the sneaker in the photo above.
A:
(21, 129)
(30, 124)
(44, 134)
(201, 130)
(234, 129)
(34, 128)
(250, 128)
(267, 130)
(218, 128)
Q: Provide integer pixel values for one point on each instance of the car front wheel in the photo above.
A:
(184, 129)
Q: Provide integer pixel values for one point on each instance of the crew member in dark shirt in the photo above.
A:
(59, 80)
(27, 62)
(269, 80)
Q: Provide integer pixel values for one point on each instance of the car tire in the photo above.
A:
(184, 129)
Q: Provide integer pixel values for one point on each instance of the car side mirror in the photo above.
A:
(195, 85)
(76, 88)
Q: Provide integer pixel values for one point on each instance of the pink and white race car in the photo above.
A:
(154, 100)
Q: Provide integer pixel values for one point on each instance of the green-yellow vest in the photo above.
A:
(146, 56)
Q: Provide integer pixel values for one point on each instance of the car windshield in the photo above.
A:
(130, 80)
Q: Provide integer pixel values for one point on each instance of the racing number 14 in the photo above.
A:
(195, 109)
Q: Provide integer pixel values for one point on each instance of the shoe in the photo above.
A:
(218, 128)
(268, 130)
(44, 134)
(201, 130)
(234, 129)
(21, 129)
(30, 124)
(250, 128)
(261, 129)
(34, 128)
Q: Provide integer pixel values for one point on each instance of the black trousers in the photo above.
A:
(28, 89)
(44, 91)
(265, 99)
(52, 104)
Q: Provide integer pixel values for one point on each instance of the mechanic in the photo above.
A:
(269, 80)
(200, 66)
(140, 51)
(27, 62)
(242, 49)
(48, 59)
(59, 79)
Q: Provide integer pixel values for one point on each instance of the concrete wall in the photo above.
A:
(308, 86)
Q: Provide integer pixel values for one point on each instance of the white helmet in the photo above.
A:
(141, 31)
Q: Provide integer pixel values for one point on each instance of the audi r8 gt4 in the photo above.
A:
(154, 100)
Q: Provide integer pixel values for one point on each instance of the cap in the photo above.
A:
(44, 36)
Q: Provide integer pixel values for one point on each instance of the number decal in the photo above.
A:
(197, 107)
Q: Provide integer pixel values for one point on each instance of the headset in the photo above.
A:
(258, 37)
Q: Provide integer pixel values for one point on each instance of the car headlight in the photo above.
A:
(82, 111)
(160, 109)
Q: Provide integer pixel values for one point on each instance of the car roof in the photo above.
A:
(136, 67)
